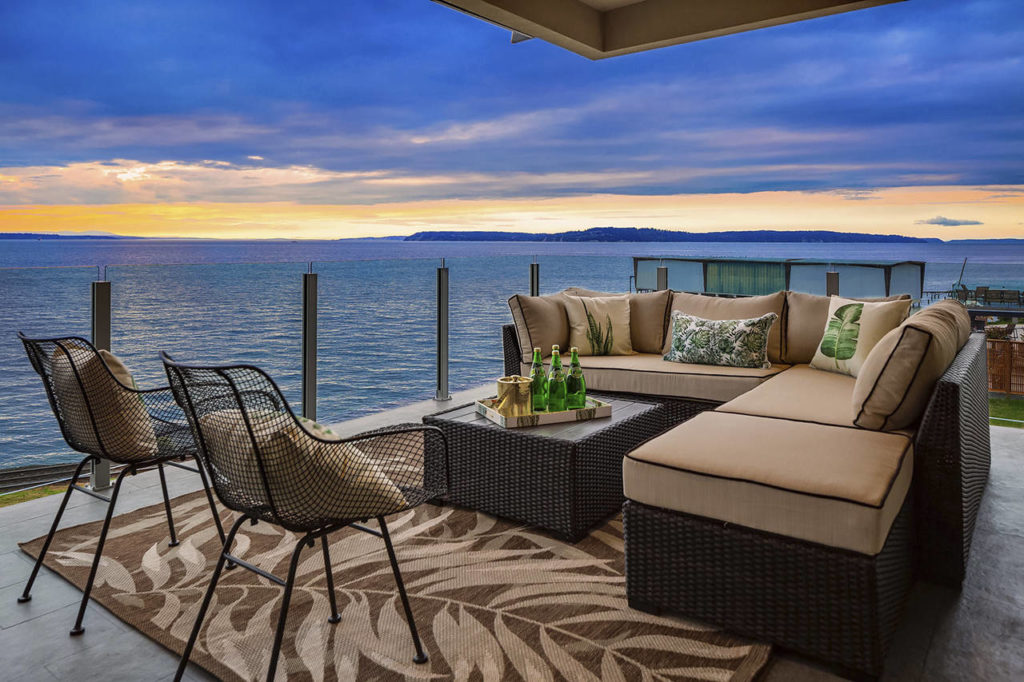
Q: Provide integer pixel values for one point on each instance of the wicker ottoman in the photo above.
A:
(565, 478)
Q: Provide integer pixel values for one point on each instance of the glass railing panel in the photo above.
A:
(41, 302)
(223, 313)
(376, 335)
(597, 273)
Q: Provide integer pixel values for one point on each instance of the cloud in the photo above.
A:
(947, 222)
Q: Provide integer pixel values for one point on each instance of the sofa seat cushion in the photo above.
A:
(801, 393)
(832, 485)
(649, 374)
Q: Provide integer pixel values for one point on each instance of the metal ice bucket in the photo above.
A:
(515, 399)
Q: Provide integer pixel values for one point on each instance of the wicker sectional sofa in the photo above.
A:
(765, 508)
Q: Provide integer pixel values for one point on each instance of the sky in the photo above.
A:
(257, 118)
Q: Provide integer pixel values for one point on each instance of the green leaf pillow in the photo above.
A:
(725, 343)
(599, 325)
(852, 329)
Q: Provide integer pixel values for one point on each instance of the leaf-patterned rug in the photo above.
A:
(493, 601)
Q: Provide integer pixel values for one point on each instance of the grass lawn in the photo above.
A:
(25, 496)
(1008, 408)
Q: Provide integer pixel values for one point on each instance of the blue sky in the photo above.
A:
(384, 101)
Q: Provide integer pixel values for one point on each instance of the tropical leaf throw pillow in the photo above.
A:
(725, 343)
(599, 325)
(852, 329)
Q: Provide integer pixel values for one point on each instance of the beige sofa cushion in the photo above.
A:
(541, 321)
(805, 321)
(599, 325)
(831, 485)
(852, 329)
(651, 375)
(122, 423)
(718, 308)
(306, 477)
(897, 379)
(648, 317)
(800, 393)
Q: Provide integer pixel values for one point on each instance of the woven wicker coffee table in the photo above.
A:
(564, 478)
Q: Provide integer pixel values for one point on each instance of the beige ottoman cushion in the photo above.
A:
(831, 485)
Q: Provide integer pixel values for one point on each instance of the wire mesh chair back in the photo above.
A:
(267, 463)
(98, 411)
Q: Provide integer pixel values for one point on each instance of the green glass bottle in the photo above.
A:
(575, 386)
(556, 383)
(539, 382)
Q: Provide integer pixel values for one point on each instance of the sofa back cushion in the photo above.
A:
(717, 308)
(804, 323)
(599, 325)
(541, 321)
(897, 379)
(648, 317)
(852, 329)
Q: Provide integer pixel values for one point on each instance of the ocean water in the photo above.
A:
(239, 301)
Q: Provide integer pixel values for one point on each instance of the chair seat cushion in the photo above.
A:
(801, 393)
(832, 485)
(308, 478)
(650, 374)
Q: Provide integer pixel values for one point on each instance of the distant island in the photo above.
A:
(647, 234)
(52, 235)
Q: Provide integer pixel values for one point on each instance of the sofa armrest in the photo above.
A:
(510, 346)
(951, 464)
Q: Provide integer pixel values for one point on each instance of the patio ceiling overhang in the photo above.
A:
(598, 29)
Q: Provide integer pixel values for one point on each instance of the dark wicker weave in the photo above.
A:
(831, 604)
(952, 455)
(677, 410)
(105, 419)
(565, 478)
(268, 465)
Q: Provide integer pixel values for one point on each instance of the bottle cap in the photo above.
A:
(574, 349)
(536, 349)
(554, 347)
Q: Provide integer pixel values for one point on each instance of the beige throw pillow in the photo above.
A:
(852, 329)
(122, 423)
(897, 379)
(540, 322)
(599, 326)
(804, 321)
(648, 317)
(306, 478)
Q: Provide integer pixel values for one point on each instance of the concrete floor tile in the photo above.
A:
(137, 656)
(978, 639)
(27, 650)
(49, 593)
(13, 566)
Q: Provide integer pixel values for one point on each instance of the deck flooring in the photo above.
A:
(977, 634)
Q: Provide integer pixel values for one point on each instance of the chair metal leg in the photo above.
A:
(285, 602)
(209, 498)
(420, 657)
(183, 663)
(167, 506)
(335, 617)
(26, 595)
(78, 629)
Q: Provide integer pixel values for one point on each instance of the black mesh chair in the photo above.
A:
(269, 465)
(101, 415)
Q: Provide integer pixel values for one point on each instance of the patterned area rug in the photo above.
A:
(493, 601)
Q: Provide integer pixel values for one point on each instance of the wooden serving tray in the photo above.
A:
(595, 409)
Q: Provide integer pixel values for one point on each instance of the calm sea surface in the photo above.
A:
(239, 301)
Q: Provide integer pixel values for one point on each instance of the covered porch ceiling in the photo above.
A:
(607, 28)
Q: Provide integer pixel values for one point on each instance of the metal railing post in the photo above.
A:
(534, 278)
(831, 283)
(309, 317)
(662, 278)
(442, 334)
(99, 471)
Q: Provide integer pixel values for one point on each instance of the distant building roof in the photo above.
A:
(607, 28)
